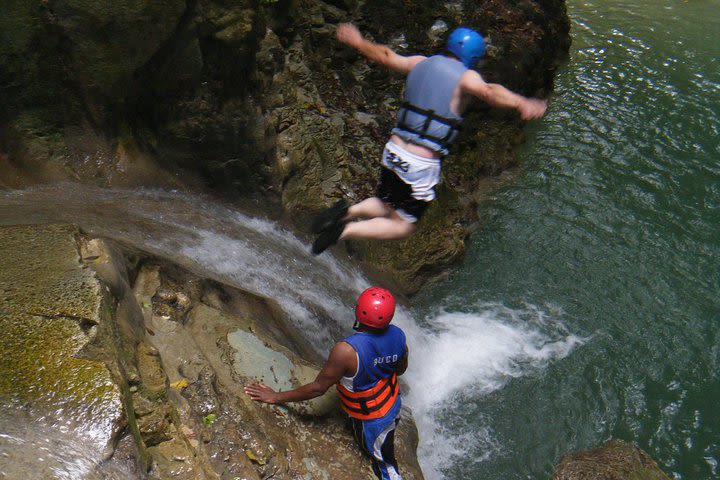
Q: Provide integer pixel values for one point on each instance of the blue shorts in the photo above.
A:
(376, 439)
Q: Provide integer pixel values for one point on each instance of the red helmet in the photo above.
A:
(375, 308)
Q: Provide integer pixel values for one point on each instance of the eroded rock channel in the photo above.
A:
(136, 366)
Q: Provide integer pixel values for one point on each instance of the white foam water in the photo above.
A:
(459, 356)
(272, 262)
(473, 352)
(452, 356)
(38, 447)
(211, 239)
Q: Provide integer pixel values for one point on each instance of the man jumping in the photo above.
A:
(437, 91)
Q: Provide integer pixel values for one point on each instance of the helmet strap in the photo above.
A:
(361, 327)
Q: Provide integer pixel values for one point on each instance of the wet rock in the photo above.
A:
(164, 295)
(181, 386)
(182, 302)
(170, 304)
(279, 369)
(173, 459)
(437, 245)
(613, 460)
(257, 100)
(152, 375)
(229, 24)
(46, 296)
(153, 420)
(227, 341)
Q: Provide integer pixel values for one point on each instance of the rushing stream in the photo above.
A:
(587, 307)
(316, 292)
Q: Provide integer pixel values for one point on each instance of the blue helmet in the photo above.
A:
(466, 44)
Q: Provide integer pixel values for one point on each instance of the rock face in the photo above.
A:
(613, 460)
(257, 99)
(58, 399)
(152, 360)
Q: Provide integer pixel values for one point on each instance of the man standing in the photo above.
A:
(437, 91)
(364, 367)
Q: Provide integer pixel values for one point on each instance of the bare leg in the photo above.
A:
(383, 223)
(392, 227)
(369, 208)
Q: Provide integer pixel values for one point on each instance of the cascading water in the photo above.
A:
(587, 305)
(36, 447)
(451, 353)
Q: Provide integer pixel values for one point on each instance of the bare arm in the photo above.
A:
(341, 361)
(348, 34)
(403, 363)
(499, 96)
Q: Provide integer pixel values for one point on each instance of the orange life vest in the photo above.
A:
(372, 403)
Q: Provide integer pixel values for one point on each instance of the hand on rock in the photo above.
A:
(261, 393)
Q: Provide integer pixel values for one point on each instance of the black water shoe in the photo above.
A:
(330, 217)
(328, 237)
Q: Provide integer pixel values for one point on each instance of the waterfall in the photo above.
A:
(451, 354)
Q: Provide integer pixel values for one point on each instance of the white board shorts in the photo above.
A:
(420, 173)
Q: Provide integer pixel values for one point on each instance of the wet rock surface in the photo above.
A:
(61, 406)
(159, 393)
(613, 460)
(218, 341)
(257, 100)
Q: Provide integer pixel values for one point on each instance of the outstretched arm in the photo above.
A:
(342, 361)
(499, 96)
(348, 34)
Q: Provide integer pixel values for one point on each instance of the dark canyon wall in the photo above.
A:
(256, 99)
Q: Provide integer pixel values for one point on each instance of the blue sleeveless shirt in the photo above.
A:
(378, 356)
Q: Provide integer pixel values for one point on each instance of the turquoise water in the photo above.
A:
(587, 307)
(608, 234)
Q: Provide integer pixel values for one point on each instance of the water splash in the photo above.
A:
(210, 239)
(465, 355)
(452, 354)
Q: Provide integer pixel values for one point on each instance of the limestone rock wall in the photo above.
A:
(256, 98)
(59, 399)
(147, 363)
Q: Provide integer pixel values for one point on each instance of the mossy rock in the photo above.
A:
(49, 310)
(613, 460)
